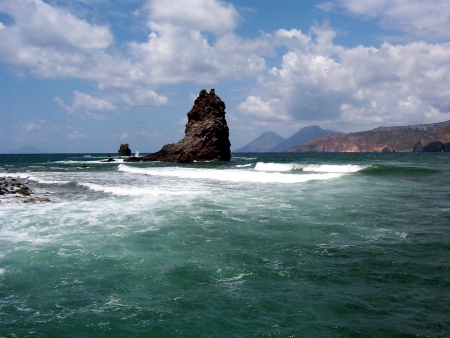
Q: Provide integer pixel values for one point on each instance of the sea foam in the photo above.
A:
(326, 168)
(241, 175)
(261, 166)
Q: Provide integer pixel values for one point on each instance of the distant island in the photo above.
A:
(433, 137)
(27, 149)
(272, 142)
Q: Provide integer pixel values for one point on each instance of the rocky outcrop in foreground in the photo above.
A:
(206, 135)
(418, 138)
(124, 150)
(13, 187)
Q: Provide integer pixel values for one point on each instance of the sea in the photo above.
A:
(265, 245)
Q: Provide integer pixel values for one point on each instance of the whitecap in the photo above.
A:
(261, 166)
(229, 175)
(327, 168)
(32, 177)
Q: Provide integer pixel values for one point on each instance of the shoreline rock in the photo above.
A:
(16, 187)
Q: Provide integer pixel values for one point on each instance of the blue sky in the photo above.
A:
(87, 75)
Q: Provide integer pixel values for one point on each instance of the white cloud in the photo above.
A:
(86, 106)
(321, 81)
(418, 18)
(212, 16)
(77, 135)
(142, 98)
(31, 126)
(189, 41)
(43, 34)
(269, 110)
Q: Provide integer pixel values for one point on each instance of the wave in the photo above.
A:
(137, 191)
(328, 168)
(261, 166)
(31, 177)
(384, 170)
(103, 161)
(230, 175)
(319, 168)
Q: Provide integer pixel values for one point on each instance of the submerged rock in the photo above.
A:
(206, 134)
(124, 150)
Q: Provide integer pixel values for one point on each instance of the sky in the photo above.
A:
(87, 75)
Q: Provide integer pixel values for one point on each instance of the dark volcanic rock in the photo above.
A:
(386, 150)
(437, 146)
(418, 146)
(206, 134)
(124, 150)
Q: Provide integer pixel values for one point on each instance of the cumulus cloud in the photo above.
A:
(142, 98)
(179, 47)
(77, 135)
(195, 41)
(321, 81)
(212, 16)
(417, 18)
(86, 106)
(43, 35)
(188, 41)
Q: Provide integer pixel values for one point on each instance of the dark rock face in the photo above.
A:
(418, 146)
(437, 146)
(206, 134)
(124, 150)
(10, 186)
(386, 150)
(18, 189)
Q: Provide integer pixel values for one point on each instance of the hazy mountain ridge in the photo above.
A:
(27, 149)
(301, 137)
(263, 143)
(272, 142)
(400, 139)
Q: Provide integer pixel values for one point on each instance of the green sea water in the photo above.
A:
(267, 245)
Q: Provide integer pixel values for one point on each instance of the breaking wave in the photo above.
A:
(231, 175)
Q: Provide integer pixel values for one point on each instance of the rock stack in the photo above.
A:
(124, 150)
(206, 134)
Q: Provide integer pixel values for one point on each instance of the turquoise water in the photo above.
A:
(276, 245)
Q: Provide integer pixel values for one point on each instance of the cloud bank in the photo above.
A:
(195, 41)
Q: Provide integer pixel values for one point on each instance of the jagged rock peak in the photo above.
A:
(124, 150)
(206, 134)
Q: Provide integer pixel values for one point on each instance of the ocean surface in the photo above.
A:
(266, 245)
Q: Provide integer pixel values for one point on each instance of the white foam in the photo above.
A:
(32, 177)
(261, 166)
(138, 191)
(102, 161)
(327, 168)
(243, 165)
(2, 271)
(229, 175)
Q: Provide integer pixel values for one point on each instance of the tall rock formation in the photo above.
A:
(206, 134)
(124, 150)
